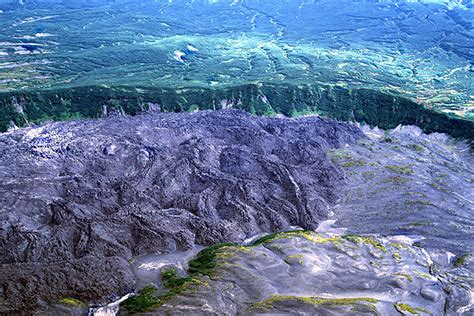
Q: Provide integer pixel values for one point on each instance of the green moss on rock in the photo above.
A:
(406, 276)
(329, 302)
(339, 154)
(397, 256)
(150, 298)
(354, 163)
(146, 300)
(461, 260)
(72, 302)
(356, 239)
(307, 234)
(408, 309)
(206, 259)
(395, 180)
(401, 169)
(171, 279)
(416, 147)
(299, 258)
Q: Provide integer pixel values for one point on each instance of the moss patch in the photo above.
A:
(171, 279)
(339, 154)
(299, 258)
(406, 276)
(366, 240)
(405, 308)
(307, 234)
(72, 302)
(461, 260)
(146, 299)
(206, 259)
(416, 147)
(395, 180)
(401, 169)
(150, 298)
(268, 304)
(354, 163)
(424, 275)
(397, 256)
(418, 202)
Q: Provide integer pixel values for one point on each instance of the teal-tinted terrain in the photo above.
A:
(236, 157)
(63, 60)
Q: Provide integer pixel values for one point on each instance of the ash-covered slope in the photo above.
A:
(78, 200)
(398, 242)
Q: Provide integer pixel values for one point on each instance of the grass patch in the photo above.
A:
(171, 279)
(295, 258)
(401, 169)
(146, 300)
(418, 224)
(395, 180)
(206, 259)
(424, 275)
(438, 186)
(368, 175)
(150, 298)
(354, 163)
(339, 154)
(72, 302)
(356, 239)
(307, 234)
(405, 308)
(397, 257)
(416, 147)
(418, 202)
(406, 276)
(461, 260)
(268, 304)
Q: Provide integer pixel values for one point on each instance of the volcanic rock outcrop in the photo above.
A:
(78, 200)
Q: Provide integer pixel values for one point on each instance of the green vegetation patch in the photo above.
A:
(171, 279)
(399, 246)
(386, 139)
(461, 260)
(150, 298)
(328, 302)
(307, 234)
(368, 175)
(395, 180)
(299, 258)
(72, 302)
(206, 260)
(401, 169)
(397, 256)
(418, 202)
(406, 276)
(146, 300)
(424, 275)
(354, 163)
(416, 147)
(339, 154)
(438, 186)
(357, 239)
(405, 308)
